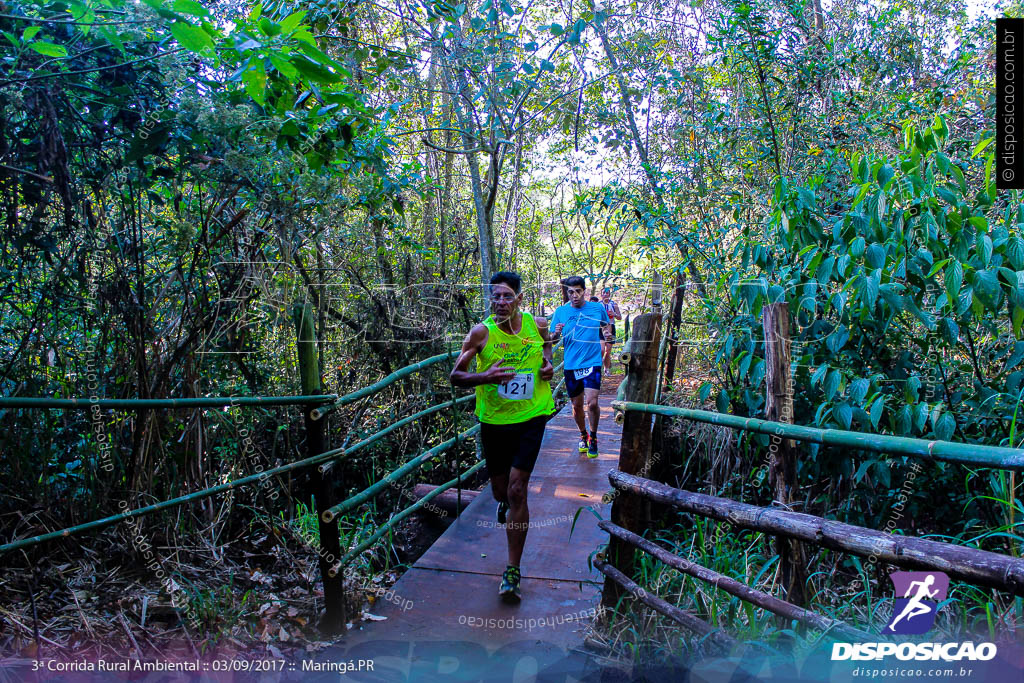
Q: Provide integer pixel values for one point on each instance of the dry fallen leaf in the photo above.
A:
(373, 617)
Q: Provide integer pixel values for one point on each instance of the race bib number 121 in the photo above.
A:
(518, 388)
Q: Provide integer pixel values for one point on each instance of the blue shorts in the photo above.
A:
(591, 380)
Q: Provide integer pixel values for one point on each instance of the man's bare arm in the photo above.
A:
(472, 345)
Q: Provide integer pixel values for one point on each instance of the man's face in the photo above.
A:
(606, 295)
(577, 296)
(504, 301)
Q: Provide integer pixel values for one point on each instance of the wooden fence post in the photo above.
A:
(330, 544)
(673, 327)
(627, 508)
(779, 408)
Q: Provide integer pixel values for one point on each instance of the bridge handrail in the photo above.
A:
(221, 401)
(399, 516)
(973, 565)
(999, 457)
(46, 403)
(408, 468)
(741, 590)
(333, 454)
(371, 389)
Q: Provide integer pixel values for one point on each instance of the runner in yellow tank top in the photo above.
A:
(513, 402)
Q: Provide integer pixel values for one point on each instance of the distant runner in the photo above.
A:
(513, 403)
(612, 309)
(580, 325)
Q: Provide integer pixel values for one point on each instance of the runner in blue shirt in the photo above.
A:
(580, 325)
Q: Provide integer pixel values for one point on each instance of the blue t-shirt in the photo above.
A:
(581, 335)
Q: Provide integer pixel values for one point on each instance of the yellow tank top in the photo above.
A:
(526, 396)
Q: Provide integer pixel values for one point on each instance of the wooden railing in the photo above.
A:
(792, 531)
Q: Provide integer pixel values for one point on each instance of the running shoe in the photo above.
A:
(509, 590)
(502, 511)
(583, 444)
(592, 447)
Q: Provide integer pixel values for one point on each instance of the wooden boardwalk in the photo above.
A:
(456, 628)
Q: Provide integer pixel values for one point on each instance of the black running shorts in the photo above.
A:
(513, 445)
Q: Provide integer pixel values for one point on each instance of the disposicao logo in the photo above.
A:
(914, 613)
(922, 592)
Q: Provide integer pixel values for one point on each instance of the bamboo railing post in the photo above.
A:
(779, 408)
(627, 510)
(330, 544)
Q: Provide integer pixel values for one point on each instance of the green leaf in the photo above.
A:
(857, 390)
(950, 330)
(292, 21)
(920, 415)
(819, 374)
(954, 279)
(843, 414)
(190, 7)
(722, 402)
(945, 427)
(874, 256)
(48, 49)
(256, 84)
(269, 28)
(1015, 252)
(981, 146)
(312, 71)
(871, 286)
(30, 33)
(885, 174)
(938, 266)
(876, 411)
(904, 421)
(837, 340)
(985, 249)
(705, 391)
(192, 38)
(832, 384)
(986, 288)
(857, 246)
(286, 68)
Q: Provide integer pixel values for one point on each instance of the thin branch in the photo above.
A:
(44, 178)
(11, 81)
(452, 150)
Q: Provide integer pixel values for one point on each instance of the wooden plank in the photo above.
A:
(979, 567)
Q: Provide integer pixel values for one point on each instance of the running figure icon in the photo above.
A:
(915, 607)
(917, 600)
